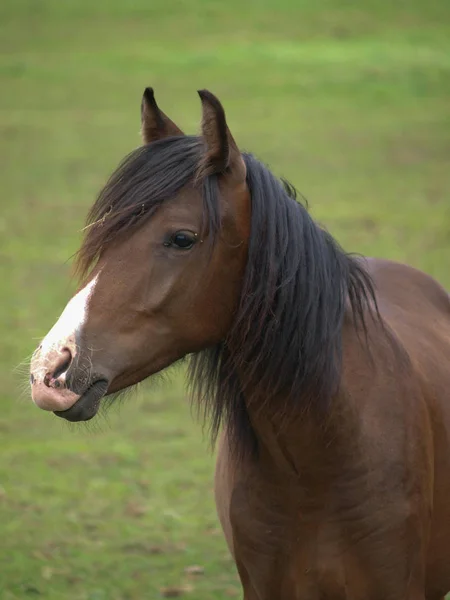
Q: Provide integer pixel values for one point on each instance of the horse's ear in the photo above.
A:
(222, 154)
(155, 125)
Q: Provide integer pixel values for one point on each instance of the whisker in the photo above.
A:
(24, 363)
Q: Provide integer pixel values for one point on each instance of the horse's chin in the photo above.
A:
(86, 407)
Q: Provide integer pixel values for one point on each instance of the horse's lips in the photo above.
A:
(87, 406)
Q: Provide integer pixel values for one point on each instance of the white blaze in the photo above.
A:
(54, 350)
(62, 333)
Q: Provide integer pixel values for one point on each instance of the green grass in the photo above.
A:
(349, 100)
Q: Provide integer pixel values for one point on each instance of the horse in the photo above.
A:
(323, 374)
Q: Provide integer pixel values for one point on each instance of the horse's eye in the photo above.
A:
(183, 240)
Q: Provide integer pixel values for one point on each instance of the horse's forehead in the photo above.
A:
(185, 210)
(187, 198)
(187, 205)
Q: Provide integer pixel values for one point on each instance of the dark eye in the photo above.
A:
(183, 240)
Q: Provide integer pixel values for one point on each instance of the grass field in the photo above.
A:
(348, 100)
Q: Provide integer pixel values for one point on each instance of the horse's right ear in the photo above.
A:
(221, 154)
(155, 125)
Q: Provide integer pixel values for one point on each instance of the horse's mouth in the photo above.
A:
(87, 406)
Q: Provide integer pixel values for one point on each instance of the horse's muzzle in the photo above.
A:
(87, 406)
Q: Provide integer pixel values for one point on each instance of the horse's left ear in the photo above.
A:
(222, 155)
(155, 125)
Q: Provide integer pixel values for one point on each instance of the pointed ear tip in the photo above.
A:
(149, 93)
(207, 97)
(202, 93)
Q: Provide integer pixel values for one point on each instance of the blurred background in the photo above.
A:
(347, 99)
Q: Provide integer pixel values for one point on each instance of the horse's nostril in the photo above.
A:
(32, 378)
(64, 365)
(60, 365)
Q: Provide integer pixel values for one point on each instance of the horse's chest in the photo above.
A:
(284, 553)
(287, 553)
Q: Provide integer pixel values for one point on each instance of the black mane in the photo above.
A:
(286, 340)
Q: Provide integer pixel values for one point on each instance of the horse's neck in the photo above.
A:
(315, 439)
(309, 446)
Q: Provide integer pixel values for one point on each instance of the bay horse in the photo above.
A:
(324, 375)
